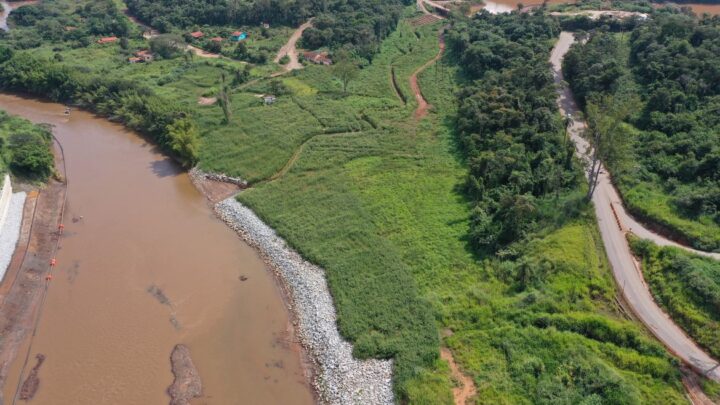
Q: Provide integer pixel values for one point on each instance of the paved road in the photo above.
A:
(614, 222)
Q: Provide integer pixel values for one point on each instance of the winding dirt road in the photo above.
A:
(614, 223)
(290, 49)
(423, 106)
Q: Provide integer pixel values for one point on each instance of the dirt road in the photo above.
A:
(290, 49)
(423, 106)
(613, 222)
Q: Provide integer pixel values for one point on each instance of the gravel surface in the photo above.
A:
(339, 378)
(10, 231)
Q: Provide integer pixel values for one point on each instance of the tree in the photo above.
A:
(184, 140)
(167, 45)
(224, 99)
(609, 136)
(344, 69)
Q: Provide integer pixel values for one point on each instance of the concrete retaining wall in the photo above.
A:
(5, 196)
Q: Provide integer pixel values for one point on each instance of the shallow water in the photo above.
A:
(134, 221)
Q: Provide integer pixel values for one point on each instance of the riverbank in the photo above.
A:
(218, 297)
(339, 378)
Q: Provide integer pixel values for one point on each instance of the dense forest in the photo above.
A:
(672, 63)
(358, 24)
(520, 163)
(56, 21)
(25, 148)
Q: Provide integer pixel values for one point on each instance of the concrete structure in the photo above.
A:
(11, 213)
(5, 196)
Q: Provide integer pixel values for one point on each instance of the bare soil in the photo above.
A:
(423, 106)
(466, 390)
(187, 384)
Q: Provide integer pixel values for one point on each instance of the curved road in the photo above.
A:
(614, 223)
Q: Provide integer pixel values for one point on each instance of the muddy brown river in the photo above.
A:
(134, 221)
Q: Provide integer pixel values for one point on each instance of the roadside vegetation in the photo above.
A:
(669, 63)
(390, 206)
(25, 148)
(688, 288)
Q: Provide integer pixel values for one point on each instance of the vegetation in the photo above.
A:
(687, 286)
(532, 319)
(670, 63)
(25, 148)
(509, 128)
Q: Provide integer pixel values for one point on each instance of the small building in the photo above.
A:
(269, 99)
(135, 59)
(197, 34)
(107, 40)
(145, 55)
(318, 58)
(216, 39)
(238, 36)
(266, 25)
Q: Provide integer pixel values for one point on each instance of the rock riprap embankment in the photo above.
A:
(339, 378)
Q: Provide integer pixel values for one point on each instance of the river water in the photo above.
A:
(134, 221)
(505, 6)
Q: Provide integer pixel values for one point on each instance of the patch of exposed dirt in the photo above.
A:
(32, 382)
(423, 106)
(467, 389)
(207, 100)
(215, 191)
(187, 384)
(691, 381)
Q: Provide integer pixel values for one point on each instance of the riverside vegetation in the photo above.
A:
(406, 217)
(25, 148)
(671, 176)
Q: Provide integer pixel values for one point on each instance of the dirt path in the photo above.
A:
(290, 49)
(612, 221)
(423, 106)
(467, 389)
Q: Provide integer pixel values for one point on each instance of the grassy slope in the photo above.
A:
(386, 201)
(686, 285)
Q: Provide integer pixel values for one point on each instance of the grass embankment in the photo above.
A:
(688, 288)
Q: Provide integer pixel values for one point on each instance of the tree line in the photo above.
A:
(519, 159)
(165, 122)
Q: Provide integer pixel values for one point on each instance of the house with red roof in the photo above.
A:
(318, 58)
(216, 39)
(107, 40)
(197, 34)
